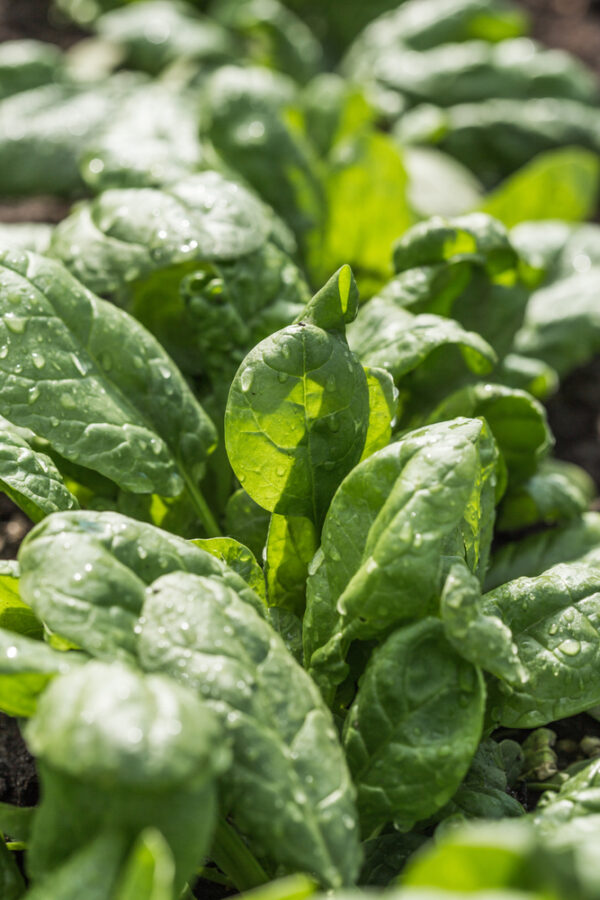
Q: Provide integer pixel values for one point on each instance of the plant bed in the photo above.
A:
(300, 579)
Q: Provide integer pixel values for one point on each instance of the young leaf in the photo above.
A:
(297, 411)
(553, 621)
(85, 573)
(237, 557)
(558, 491)
(100, 390)
(291, 544)
(149, 872)
(482, 639)
(387, 528)
(288, 790)
(14, 614)
(414, 726)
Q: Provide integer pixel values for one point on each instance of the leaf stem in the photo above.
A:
(235, 859)
(206, 516)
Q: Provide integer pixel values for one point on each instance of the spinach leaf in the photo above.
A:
(559, 184)
(558, 491)
(28, 477)
(297, 412)
(288, 790)
(482, 639)
(237, 557)
(535, 553)
(383, 398)
(414, 726)
(291, 545)
(11, 880)
(247, 522)
(34, 236)
(393, 519)
(139, 751)
(104, 394)
(149, 871)
(85, 573)
(27, 64)
(14, 614)
(553, 620)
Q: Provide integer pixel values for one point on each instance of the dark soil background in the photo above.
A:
(574, 413)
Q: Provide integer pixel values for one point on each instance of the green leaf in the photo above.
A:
(250, 120)
(247, 522)
(200, 633)
(484, 791)
(517, 421)
(562, 184)
(291, 544)
(367, 202)
(553, 621)
(438, 184)
(100, 390)
(414, 726)
(26, 667)
(383, 398)
(386, 856)
(391, 520)
(473, 238)
(118, 749)
(14, 614)
(12, 886)
(558, 491)
(482, 639)
(29, 477)
(149, 871)
(16, 821)
(297, 411)
(85, 573)
(561, 323)
(27, 64)
(26, 235)
(387, 336)
(535, 553)
(237, 557)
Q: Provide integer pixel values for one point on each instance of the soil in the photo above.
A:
(574, 413)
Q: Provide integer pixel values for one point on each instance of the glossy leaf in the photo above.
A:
(380, 561)
(86, 377)
(291, 544)
(482, 639)
(237, 557)
(289, 790)
(14, 614)
(383, 398)
(558, 491)
(85, 573)
(414, 727)
(30, 478)
(297, 412)
(553, 621)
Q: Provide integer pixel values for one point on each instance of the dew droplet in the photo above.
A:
(246, 380)
(570, 647)
(38, 360)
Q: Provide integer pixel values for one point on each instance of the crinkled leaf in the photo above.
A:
(124, 235)
(86, 377)
(414, 726)
(553, 618)
(517, 421)
(297, 411)
(85, 573)
(29, 477)
(558, 491)
(288, 789)
(291, 544)
(387, 336)
(482, 639)
(393, 517)
(562, 184)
